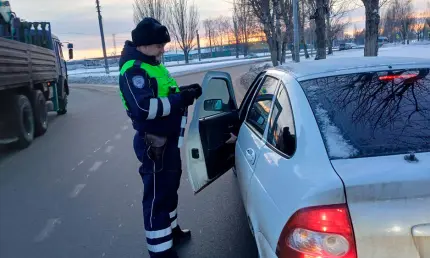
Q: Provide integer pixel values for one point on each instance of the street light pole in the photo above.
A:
(102, 36)
(296, 31)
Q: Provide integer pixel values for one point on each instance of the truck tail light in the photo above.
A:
(318, 232)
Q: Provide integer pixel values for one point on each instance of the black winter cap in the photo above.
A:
(150, 31)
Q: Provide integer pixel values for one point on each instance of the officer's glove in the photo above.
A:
(188, 96)
(189, 87)
(194, 86)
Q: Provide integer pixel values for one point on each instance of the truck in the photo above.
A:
(33, 78)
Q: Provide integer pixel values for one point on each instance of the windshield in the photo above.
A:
(372, 114)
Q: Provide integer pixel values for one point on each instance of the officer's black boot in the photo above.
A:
(180, 236)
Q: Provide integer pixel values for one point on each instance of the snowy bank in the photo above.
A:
(98, 76)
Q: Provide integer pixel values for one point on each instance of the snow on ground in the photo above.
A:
(98, 76)
(114, 68)
(415, 50)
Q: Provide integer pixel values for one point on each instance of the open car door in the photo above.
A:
(215, 117)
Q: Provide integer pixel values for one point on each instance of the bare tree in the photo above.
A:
(405, 17)
(373, 18)
(225, 27)
(427, 15)
(287, 14)
(303, 12)
(360, 36)
(390, 24)
(264, 11)
(420, 23)
(210, 31)
(336, 20)
(243, 16)
(236, 33)
(220, 28)
(183, 24)
(156, 9)
(320, 31)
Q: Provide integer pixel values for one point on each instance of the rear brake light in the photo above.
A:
(393, 77)
(318, 232)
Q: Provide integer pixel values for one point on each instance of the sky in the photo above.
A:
(76, 21)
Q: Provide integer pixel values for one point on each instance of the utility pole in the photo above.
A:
(198, 45)
(114, 44)
(296, 31)
(102, 35)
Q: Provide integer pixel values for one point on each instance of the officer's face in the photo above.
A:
(156, 50)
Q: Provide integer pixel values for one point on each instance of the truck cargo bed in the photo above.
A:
(23, 65)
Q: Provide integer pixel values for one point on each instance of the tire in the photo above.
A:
(62, 103)
(40, 112)
(23, 121)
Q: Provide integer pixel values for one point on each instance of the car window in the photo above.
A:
(282, 132)
(217, 89)
(260, 108)
(373, 113)
(60, 50)
(248, 97)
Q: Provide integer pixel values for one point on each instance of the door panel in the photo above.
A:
(250, 137)
(247, 142)
(208, 155)
(214, 132)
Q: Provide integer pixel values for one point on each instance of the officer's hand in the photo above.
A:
(188, 87)
(188, 97)
(194, 86)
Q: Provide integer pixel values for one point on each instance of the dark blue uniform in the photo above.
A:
(157, 123)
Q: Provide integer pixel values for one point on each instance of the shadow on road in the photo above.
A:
(8, 150)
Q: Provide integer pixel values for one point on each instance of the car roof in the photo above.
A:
(347, 65)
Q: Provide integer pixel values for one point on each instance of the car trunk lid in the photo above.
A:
(389, 202)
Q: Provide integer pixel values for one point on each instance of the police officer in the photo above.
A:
(156, 104)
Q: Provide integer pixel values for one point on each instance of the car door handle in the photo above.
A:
(250, 156)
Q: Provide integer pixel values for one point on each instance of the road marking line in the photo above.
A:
(77, 190)
(109, 149)
(108, 141)
(97, 150)
(47, 230)
(96, 166)
(118, 136)
(80, 163)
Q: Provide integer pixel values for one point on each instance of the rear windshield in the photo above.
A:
(372, 114)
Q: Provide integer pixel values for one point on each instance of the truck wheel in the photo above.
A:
(23, 121)
(62, 103)
(40, 112)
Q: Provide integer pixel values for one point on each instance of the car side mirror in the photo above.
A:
(213, 105)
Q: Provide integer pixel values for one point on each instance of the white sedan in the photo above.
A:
(332, 156)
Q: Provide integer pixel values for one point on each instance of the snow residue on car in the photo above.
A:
(338, 146)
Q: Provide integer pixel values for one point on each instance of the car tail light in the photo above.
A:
(318, 232)
(393, 77)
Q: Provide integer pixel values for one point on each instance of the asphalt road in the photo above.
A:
(76, 191)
